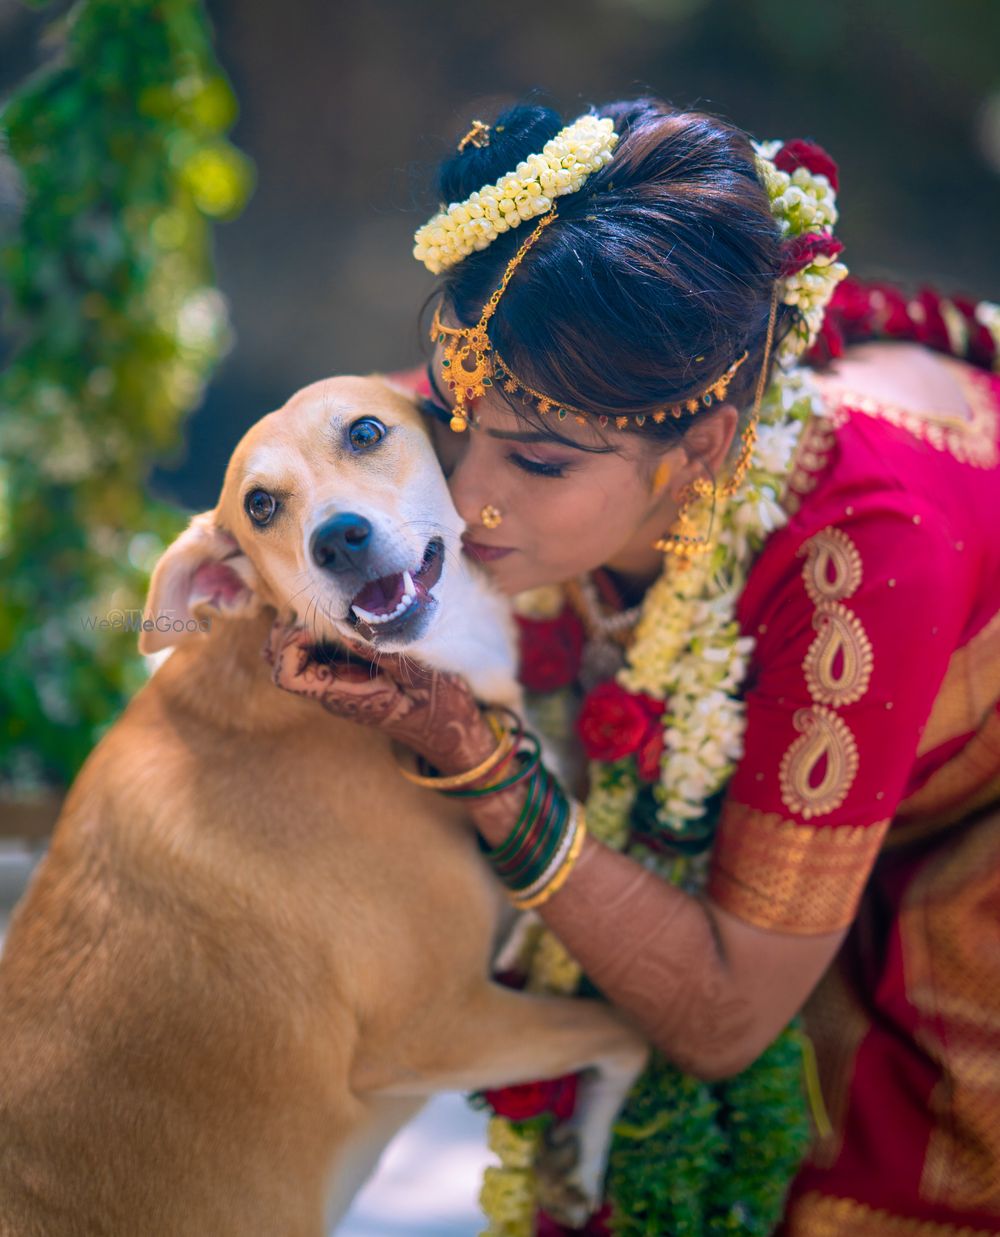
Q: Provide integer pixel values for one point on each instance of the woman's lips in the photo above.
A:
(484, 553)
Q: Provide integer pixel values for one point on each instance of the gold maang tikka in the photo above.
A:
(470, 365)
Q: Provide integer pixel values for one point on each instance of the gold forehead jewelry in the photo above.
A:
(470, 365)
(478, 135)
(491, 517)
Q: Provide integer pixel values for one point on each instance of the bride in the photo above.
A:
(747, 512)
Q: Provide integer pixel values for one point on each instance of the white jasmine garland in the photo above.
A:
(802, 201)
(562, 166)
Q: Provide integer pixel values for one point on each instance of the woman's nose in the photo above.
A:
(473, 481)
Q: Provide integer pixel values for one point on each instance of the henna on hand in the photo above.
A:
(430, 711)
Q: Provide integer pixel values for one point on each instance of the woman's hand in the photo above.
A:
(429, 711)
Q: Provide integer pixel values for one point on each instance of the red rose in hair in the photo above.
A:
(928, 322)
(532, 1099)
(798, 252)
(801, 154)
(614, 723)
(550, 651)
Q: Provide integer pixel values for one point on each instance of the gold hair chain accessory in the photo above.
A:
(471, 364)
(478, 135)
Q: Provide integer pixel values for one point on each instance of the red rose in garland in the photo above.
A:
(533, 1099)
(599, 1225)
(550, 651)
(614, 723)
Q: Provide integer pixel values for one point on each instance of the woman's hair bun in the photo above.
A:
(514, 135)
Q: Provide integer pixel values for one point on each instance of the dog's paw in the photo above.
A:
(562, 1193)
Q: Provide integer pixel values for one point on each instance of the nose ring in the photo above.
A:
(491, 516)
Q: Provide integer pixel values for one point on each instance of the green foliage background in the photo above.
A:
(116, 325)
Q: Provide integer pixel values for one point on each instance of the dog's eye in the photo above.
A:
(366, 433)
(260, 506)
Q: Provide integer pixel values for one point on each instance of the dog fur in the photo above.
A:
(253, 950)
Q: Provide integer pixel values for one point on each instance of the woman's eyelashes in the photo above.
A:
(537, 468)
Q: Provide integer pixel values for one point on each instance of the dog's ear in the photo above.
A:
(401, 388)
(202, 574)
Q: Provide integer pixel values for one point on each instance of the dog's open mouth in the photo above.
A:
(387, 605)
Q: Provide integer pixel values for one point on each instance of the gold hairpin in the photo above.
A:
(478, 135)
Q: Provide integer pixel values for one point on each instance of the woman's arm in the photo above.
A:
(708, 990)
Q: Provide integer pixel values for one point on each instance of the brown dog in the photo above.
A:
(253, 949)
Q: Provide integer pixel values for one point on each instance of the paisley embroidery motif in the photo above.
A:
(818, 769)
(838, 666)
(833, 566)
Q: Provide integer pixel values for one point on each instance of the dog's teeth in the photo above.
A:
(409, 589)
(374, 620)
(367, 617)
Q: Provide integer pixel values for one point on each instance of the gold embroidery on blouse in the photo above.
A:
(788, 877)
(812, 454)
(819, 768)
(971, 439)
(821, 1215)
(832, 571)
(838, 666)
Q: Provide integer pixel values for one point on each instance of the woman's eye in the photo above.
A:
(260, 506)
(365, 433)
(536, 467)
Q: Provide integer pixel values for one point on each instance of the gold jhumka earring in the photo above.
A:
(683, 541)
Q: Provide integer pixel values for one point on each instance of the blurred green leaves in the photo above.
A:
(115, 325)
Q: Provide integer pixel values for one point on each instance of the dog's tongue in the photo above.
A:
(381, 596)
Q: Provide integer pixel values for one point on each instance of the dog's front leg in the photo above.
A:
(501, 1037)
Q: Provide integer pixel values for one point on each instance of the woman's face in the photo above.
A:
(564, 511)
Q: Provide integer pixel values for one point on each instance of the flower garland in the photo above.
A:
(564, 163)
(663, 738)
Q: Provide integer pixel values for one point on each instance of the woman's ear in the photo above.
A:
(201, 575)
(708, 442)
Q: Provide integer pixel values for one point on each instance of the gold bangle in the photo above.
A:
(560, 878)
(455, 781)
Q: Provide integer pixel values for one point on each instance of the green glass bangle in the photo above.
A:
(533, 759)
(536, 863)
(510, 855)
(526, 819)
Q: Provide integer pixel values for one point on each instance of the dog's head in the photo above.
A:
(333, 510)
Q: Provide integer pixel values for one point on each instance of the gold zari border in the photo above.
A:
(971, 440)
(821, 1215)
(777, 874)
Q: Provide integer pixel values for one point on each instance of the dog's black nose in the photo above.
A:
(341, 541)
